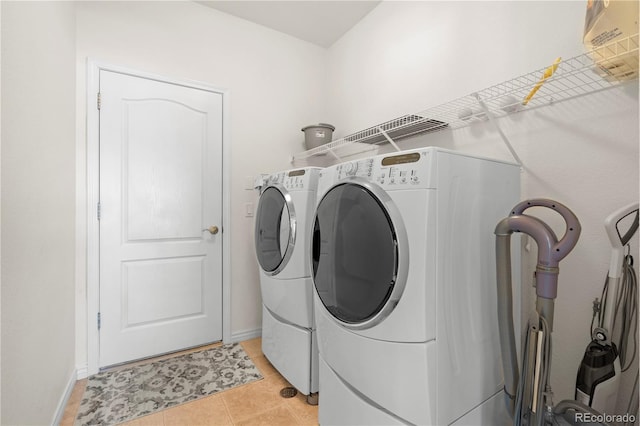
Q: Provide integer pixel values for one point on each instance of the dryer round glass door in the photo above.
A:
(356, 254)
(275, 230)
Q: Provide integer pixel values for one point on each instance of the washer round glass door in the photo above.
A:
(275, 231)
(357, 239)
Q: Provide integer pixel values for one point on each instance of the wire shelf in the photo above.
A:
(602, 68)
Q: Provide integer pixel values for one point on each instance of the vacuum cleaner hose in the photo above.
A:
(505, 320)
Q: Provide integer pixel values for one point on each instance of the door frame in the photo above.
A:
(93, 191)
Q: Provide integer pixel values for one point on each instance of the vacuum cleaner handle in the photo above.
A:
(618, 241)
(612, 221)
(570, 238)
(603, 333)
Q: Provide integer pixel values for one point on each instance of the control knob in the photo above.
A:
(350, 169)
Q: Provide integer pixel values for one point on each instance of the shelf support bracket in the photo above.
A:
(315, 151)
(493, 121)
(393, 144)
(336, 156)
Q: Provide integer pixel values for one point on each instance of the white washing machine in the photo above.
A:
(283, 245)
(404, 272)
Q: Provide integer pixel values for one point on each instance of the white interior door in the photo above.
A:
(160, 190)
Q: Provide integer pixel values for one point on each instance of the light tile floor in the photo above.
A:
(257, 403)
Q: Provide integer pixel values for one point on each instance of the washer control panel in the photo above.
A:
(295, 180)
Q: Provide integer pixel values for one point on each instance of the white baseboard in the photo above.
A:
(64, 399)
(240, 336)
(82, 371)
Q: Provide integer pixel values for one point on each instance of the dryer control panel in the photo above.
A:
(361, 168)
(401, 171)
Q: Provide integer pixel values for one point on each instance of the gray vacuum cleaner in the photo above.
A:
(606, 356)
(528, 394)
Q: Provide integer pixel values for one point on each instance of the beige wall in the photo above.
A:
(405, 56)
(38, 209)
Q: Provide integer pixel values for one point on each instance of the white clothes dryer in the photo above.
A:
(404, 272)
(283, 248)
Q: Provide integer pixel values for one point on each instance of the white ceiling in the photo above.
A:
(319, 22)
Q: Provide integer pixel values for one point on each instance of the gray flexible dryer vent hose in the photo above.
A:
(550, 252)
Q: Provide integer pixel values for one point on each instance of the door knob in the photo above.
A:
(212, 229)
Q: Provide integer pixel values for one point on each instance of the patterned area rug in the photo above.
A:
(127, 393)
